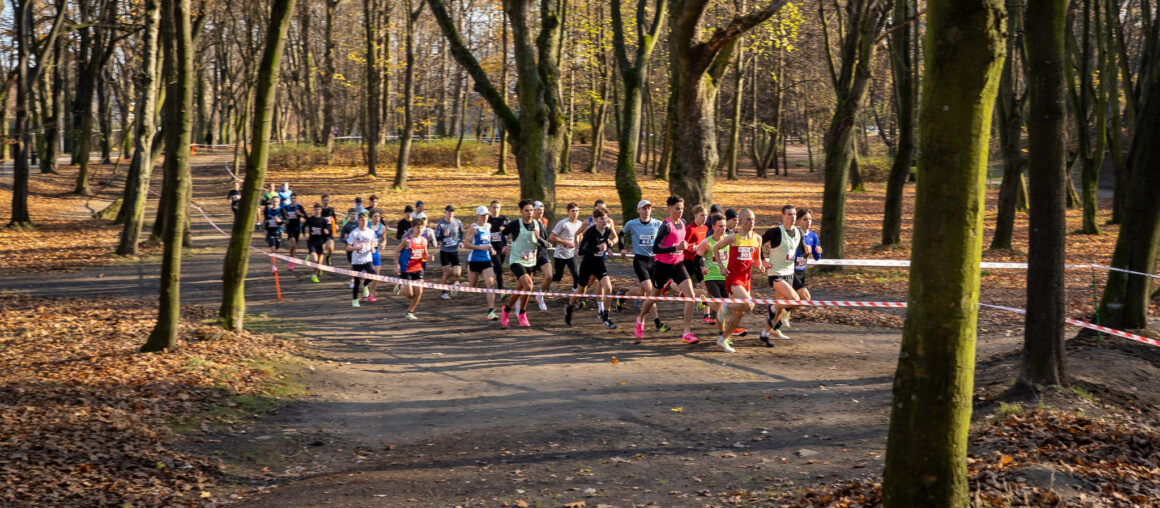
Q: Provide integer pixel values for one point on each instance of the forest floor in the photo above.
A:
(451, 411)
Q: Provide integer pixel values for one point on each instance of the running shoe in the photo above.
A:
(455, 289)
(366, 291)
(700, 305)
(765, 339)
(410, 316)
(726, 344)
(540, 302)
(708, 320)
(398, 289)
(372, 298)
(638, 330)
(740, 332)
(662, 328)
(689, 338)
(524, 320)
(503, 318)
(581, 304)
(568, 314)
(785, 319)
(291, 265)
(354, 302)
(607, 322)
(350, 284)
(619, 302)
(445, 296)
(492, 316)
(314, 278)
(778, 334)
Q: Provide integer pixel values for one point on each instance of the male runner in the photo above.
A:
(669, 265)
(694, 263)
(405, 223)
(564, 237)
(479, 259)
(497, 222)
(272, 220)
(542, 261)
(235, 197)
(285, 193)
(292, 214)
(373, 206)
(320, 230)
(596, 242)
(328, 213)
(360, 245)
(449, 234)
(587, 223)
(358, 206)
(784, 242)
(351, 224)
(376, 225)
(744, 252)
(419, 213)
(640, 233)
(810, 246)
(714, 280)
(412, 252)
(271, 193)
(528, 236)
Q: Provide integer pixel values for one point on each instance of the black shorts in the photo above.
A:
(478, 266)
(693, 268)
(664, 272)
(519, 270)
(293, 230)
(448, 258)
(558, 264)
(349, 257)
(642, 267)
(592, 268)
(416, 275)
(541, 259)
(716, 288)
(315, 245)
(774, 278)
(273, 238)
(799, 279)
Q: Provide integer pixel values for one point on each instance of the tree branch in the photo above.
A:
(740, 25)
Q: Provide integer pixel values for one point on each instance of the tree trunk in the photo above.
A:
(179, 53)
(1010, 127)
(926, 450)
(233, 308)
(735, 117)
(408, 130)
(1043, 348)
(902, 70)
(1090, 104)
(141, 168)
(666, 157)
(371, 73)
(1125, 298)
(328, 121)
(22, 136)
(632, 73)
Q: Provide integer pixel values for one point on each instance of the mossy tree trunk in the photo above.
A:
(632, 73)
(902, 70)
(1043, 348)
(926, 462)
(179, 76)
(141, 167)
(1010, 127)
(233, 308)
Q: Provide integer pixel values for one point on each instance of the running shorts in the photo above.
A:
(642, 267)
(799, 279)
(592, 268)
(449, 258)
(519, 270)
(773, 279)
(693, 268)
(293, 230)
(558, 264)
(478, 266)
(742, 280)
(273, 239)
(716, 288)
(416, 275)
(315, 245)
(375, 259)
(664, 272)
(542, 258)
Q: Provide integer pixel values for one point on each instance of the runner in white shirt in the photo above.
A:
(360, 243)
(564, 237)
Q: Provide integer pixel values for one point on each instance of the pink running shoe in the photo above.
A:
(503, 318)
(291, 265)
(639, 329)
(690, 338)
(524, 320)
(372, 298)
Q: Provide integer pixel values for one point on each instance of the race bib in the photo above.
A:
(449, 241)
(291, 215)
(528, 255)
(496, 236)
(645, 240)
(272, 223)
(315, 231)
(745, 253)
(800, 262)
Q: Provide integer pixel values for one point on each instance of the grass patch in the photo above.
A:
(1007, 409)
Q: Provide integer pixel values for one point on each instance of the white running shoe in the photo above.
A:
(726, 344)
(778, 334)
(785, 320)
(540, 302)
(445, 296)
(350, 284)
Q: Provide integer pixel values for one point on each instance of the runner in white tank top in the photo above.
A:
(784, 242)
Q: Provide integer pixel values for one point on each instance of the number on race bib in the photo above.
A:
(272, 223)
(645, 240)
(528, 255)
(745, 253)
(496, 236)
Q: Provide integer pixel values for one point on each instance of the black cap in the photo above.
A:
(419, 203)
(730, 214)
(408, 208)
(358, 200)
(715, 209)
(449, 208)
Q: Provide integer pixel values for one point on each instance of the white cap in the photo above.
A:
(537, 205)
(643, 203)
(481, 210)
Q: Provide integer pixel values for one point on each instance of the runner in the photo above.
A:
(272, 220)
(373, 207)
(419, 213)
(328, 213)
(810, 247)
(669, 265)
(405, 223)
(594, 245)
(784, 242)
(360, 246)
(542, 261)
(589, 222)
(714, 280)
(449, 234)
(527, 238)
(271, 193)
(640, 233)
(285, 194)
(321, 230)
(694, 263)
(744, 252)
(358, 207)
(292, 214)
(497, 222)
(376, 225)
(479, 259)
(412, 252)
(235, 197)
(564, 237)
(351, 224)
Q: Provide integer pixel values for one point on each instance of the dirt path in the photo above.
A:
(450, 410)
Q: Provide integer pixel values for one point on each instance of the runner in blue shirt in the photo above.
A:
(810, 247)
(640, 234)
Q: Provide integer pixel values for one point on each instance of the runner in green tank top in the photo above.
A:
(528, 236)
(714, 280)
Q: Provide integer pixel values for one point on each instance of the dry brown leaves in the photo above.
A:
(84, 417)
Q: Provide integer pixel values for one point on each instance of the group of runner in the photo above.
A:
(713, 256)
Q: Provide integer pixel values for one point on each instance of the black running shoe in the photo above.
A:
(608, 322)
(568, 314)
(765, 340)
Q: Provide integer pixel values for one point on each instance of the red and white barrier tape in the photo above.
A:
(1084, 324)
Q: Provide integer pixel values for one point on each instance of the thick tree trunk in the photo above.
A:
(22, 137)
(926, 451)
(1043, 348)
(141, 168)
(632, 73)
(371, 74)
(902, 70)
(233, 308)
(328, 81)
(408, 131)
(1010, 127)
(179, 53)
